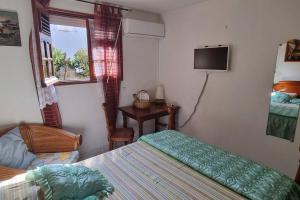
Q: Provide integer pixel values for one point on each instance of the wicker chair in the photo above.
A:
(41, 139)
(117, 134)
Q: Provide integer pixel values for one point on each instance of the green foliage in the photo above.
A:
(79, 63)
(58, 59)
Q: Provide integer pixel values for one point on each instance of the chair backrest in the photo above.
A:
(109, 126)
(43, 139)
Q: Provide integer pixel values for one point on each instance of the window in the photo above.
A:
(70, 49)
(64, 50)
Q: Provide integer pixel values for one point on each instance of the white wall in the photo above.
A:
(286, 71)
(234, 110)
(18, 100)
(80, 105)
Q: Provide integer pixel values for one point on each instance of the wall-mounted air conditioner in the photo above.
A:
(138, 28)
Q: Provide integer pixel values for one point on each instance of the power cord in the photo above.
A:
(198, 101)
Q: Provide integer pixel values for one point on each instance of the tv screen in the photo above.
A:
(212, 58)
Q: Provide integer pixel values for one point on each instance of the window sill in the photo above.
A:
(65, 83)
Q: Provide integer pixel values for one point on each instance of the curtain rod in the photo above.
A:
(84, 1)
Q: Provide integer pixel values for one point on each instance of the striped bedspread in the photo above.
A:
(19, 189)
(139, 171)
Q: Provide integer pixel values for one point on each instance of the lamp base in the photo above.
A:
(160, 101)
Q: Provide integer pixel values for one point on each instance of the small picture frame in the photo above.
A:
(9, 28)
(292, 51)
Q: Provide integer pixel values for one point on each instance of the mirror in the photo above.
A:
(285, 98)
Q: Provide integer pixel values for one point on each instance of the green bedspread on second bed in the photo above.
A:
(282, 121)
(243, 176)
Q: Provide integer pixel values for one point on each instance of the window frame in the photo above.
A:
(86, 17)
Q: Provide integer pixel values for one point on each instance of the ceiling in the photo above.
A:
(155, 6)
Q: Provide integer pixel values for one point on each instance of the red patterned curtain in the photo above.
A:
(107, 54)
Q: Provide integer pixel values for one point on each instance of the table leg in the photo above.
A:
(141, 128)
(156, 124)
(124, 120)
(171, 122)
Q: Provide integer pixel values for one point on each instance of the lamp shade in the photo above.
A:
(160, 93)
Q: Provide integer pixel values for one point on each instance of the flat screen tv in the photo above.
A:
(212, 58)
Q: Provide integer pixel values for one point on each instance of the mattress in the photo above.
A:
(139, 171)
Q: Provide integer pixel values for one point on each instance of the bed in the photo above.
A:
(146, 170)
(283, 117)
(138, 171)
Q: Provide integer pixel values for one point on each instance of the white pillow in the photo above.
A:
(13, 151)
(294, 95)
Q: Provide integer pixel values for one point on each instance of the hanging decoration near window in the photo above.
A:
(9, 29)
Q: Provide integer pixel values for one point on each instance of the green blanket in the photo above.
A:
(282, 126)
(282, 121)
(284, 110)
(243, 176)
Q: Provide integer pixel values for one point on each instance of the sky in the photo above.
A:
(68, 39)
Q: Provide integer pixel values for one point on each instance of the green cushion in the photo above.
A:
(64, 182)
(295, 101)
(280, 97)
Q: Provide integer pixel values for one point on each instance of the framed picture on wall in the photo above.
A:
(292, 51)
(9, 28)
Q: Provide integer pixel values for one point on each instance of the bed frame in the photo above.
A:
(287, 86)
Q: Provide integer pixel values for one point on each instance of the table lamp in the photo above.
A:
(160, 95)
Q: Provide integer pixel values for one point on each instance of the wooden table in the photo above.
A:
(154, 112)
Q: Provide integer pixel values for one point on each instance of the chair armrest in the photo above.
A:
(42, 139)
(7, 173)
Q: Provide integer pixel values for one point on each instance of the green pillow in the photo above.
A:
(279, 97)
(295, 101)
(66, 182)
